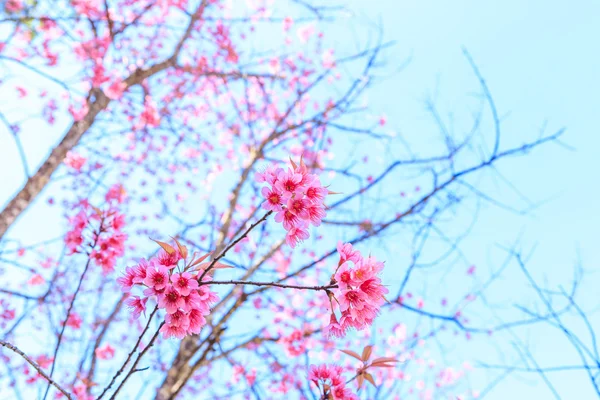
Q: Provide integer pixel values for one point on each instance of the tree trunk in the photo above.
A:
(38, 182)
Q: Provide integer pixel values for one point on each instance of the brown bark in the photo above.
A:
(37, 182)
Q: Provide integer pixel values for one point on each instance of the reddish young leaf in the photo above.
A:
(198, 261)
(166, 247)
(182, 249)
(369, 377)
(217, 265)
(360, 379)
(384, 359)
(293, 163)
(352, 354)
(367, 353)
(97, 210)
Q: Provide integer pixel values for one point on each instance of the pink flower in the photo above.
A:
(157, 277)
(197, 321)
(251, 376)
(373, 265)
(115, 90)
(207, 295)
(294, 343)
(74, 321)
(374, 290)
(315, 192)
(347, 253)
(137, 305)
(44, 361)
(178, 318)
(353, 298)
(288, 218)
(330, 375)
(288, 183)
(35, 280)
(359, 318)
(118, 222)
(334, 328)
(168, 260)
(105, 352)
(343, 276)
(192, 300)
(170, 300)
(149, 116)
(14, 6)
(116, 192)
(80, 113)
(297, 197)
(169, 331)
(273, 199)
(360, 293)
(75, 161)
(184, 283)
(73, 240)
(127, 280)
(80, 391)
(360, 273)
(316, 213)
(295, 235)
(140, 271)
(269, 175)
(341, 392)
(298, 207)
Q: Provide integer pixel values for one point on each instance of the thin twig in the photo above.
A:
(275, 284)
(232, 244)
(135, 347)
(37, 368)
(137, 360)
(64, 324)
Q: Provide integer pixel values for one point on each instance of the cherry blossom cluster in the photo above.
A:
(176, 290)
(330, 382)
(297, 197)
(99, 233)
(359, 293)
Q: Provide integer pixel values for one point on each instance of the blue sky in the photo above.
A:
(541, 61)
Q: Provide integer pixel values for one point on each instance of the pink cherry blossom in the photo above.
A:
(360, 292)
(75, 161)
(170, 300)
(175, 331)
(137, 305)
(105, 352)
(295, 235)
(184, 283)
(296, 196)
(273, 199)
(157, 276)
(127, 280)
(288, 183)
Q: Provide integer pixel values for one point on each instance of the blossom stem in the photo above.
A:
(232, 244)
(71, 305)
(137, 360)
(275, 284)
(135, 347)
